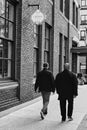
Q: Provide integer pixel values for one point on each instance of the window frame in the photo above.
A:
(82, 37)
(9, 41)
(37, 49)
(47, 41)
(61, 6)
(60, 51)
(84, 2)
(85, 19)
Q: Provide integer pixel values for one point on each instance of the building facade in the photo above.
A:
(25, 46)
(82, 57)
(66, 33)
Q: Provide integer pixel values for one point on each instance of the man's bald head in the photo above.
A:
(66, 66)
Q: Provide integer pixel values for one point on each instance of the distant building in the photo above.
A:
(82, 56)
(66, 33)
(24, 46)
(83, 23)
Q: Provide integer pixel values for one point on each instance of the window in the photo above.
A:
(47, 43)
(60, 52)
(67, 9)
(7, 25)
(73, 13)
(74, 44)
(83, 19)
(65, 49)
(76, 17)
(82, 35)
(61, 5)
(83, 2)
(36, 52)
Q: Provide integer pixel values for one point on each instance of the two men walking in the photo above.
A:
(65, 85)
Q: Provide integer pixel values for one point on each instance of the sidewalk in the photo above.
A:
(83, 124)
(28, 118)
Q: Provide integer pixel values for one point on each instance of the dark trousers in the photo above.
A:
(63, 107)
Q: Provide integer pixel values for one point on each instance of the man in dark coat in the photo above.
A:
(45, 84)
(67, 88)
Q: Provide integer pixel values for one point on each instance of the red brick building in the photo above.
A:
(24, 46)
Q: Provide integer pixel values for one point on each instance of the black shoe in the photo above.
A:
(42, 115)
(70, 118)
(63, 119)
(45, 112)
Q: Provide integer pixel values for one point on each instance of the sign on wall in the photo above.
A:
(37, 17)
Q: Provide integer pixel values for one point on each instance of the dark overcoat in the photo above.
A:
(45, 81)
(66, 84)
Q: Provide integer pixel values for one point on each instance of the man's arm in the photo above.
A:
(36, 83)
(75, 85)
(52, 83)
(57, 84)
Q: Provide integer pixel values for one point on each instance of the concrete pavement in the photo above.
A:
(28, 118)
(83, 124)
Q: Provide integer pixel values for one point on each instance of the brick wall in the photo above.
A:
(27, 43)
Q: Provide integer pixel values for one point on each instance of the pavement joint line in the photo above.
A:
(20, 106)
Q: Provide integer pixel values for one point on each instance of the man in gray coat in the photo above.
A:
(45, 84)
(66, 86)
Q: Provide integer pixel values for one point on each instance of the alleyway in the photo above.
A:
(28, 118)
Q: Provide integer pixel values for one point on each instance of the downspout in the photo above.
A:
(67, 59)
(86, 54)
(53, 9)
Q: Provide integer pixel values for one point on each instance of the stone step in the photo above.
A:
(8, 90)
(7, 84)
(8, 100)
(6, 104)
(8, 94)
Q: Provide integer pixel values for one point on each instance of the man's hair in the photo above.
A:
(45, 65)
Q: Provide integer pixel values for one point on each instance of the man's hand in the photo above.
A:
(74, 96)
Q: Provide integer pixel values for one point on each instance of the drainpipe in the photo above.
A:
(53, 18)
(67, 59)
(86, 54)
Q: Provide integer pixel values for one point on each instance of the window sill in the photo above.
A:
(8, 84)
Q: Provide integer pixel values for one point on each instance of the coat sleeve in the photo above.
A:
(36, 83)
(57, 84)
(52, 83)
(75, 85)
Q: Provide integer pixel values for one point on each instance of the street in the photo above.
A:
(28, 118)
